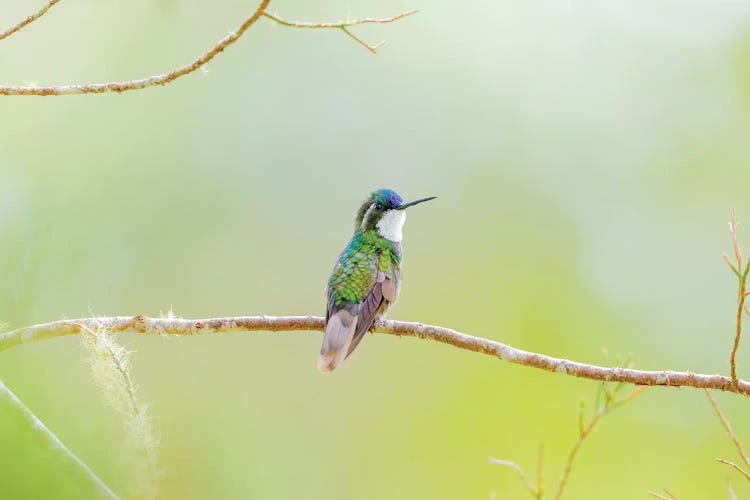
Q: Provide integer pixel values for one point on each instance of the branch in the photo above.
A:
(343, 26)
(610, 403)
(734, 466)
(5, 34)
(52, 441)
(741, 294)
(583, 432)
(540, 473)
(534, 490)
(730, 492)
(177, 326)
(728, 428)
(100, 88)
(152, 81)
(668, 495)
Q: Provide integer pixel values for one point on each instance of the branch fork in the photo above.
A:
(160, 80)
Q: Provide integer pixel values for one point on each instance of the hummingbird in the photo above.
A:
(366, 278)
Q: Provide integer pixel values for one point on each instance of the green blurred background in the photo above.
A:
(586, 156)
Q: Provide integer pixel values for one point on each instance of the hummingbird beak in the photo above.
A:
(415, 202)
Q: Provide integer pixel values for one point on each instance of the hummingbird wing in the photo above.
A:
(346, 327)
(380, 297)
(352, 278)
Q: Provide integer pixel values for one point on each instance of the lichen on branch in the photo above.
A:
(110, 368)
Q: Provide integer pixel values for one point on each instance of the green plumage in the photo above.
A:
(357, 268)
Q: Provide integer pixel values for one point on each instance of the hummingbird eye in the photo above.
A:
(379, 207)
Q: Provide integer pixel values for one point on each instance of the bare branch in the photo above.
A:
(667, 496)
(736, 467)
(608, 406)
(371, 48)
(728, 428)
(5, 34)
(741, 293)
(730, 492)
(343, 26)
(731, 266)
(581, 408)
(540, 473)
(53, 442)
(512, 465)
(179, 326)
(100, 88)
(339, 24)
(733, 233)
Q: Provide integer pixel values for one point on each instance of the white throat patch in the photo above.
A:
(391, 225)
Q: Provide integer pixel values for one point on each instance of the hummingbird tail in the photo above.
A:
(337, 338)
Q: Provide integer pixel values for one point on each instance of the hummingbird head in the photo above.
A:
(385, 211)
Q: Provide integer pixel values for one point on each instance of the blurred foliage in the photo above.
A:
(585, 156)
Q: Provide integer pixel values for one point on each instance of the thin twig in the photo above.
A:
(728, 428)
(610, 405)
(581, 408)
(512, 465)
(540, 473)
(371, 48)
(741, 294)
(735, 466)
(505, 352)
(53, 442)
(100, 88)
(5, 34)
(668, 495)
(733, 232)
(343, 26)
(730, 492)
(339, 24)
